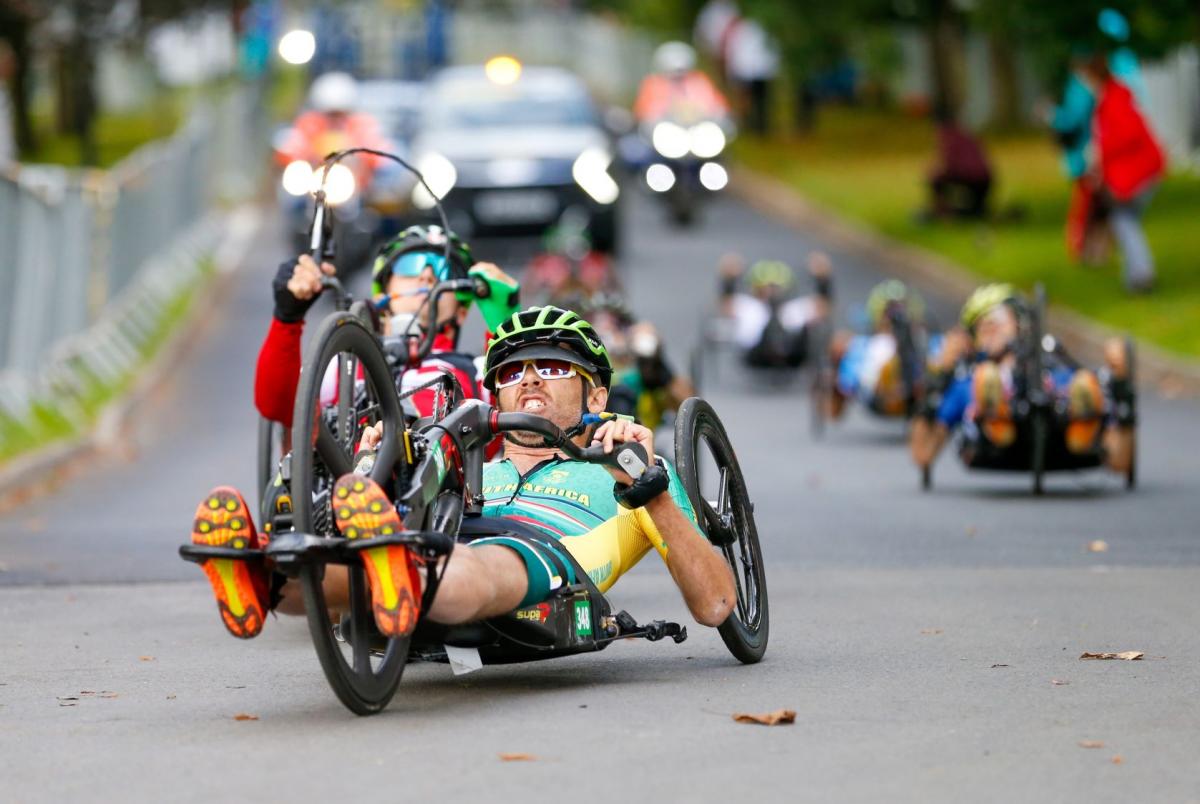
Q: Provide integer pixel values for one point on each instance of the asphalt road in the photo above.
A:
(929, 643)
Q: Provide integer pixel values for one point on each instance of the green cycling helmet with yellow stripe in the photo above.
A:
(984, 299)
(548, 332)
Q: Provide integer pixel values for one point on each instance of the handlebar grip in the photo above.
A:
(630, 457)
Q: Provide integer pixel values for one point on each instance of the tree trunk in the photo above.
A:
(14, 29)
(944, 54)
(1006, 113)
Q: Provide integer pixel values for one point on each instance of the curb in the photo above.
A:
(1174, 377)
(27, 475)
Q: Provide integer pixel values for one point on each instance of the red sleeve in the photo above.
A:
(278, 372)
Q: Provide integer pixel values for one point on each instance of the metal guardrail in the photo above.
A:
(89, 258)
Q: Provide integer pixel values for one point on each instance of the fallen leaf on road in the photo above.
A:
(999, 665)
(1127, 655)
(107, 694)
(1098, 546)
(928, 631)
(171, 697)
(1058, 682)
(517, 758)
(67, 703)
(146, 658)
(776, 718)
(244, 716)
(1117, 759)
(67, 698)
(1091, 743)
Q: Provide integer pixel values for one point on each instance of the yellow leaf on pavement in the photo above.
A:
(778, 717)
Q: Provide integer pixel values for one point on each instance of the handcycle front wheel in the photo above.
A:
(345, 385)
(726, 517)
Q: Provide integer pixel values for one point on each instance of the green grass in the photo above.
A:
(870, 166)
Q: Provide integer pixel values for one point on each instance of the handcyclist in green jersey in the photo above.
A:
(550, 362)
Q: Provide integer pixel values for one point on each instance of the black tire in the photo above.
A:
(1131, 363)
(746, 630)
(1040, 427)
(1040, 424)
(821, 391)
(270, 450)
(363, 683)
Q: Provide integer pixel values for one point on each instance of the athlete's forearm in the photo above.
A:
(700, 573)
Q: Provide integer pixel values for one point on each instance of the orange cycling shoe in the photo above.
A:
(363, 511)
(1085, 403)
(992, 405)
(241, 588)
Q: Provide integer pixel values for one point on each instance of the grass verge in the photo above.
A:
(870, 166)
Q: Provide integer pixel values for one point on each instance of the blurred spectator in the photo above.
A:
(961, 178)
(714, 23)
(8, 143)
(752, 63)
(1071, 121)
(1126, 165)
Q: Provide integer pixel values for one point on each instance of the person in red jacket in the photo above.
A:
(404, 272)
(1126, 164)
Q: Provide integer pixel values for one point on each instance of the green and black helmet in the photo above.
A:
(984, 299)
(417, 248)
(543, 332)
(776, 273)
(893, 291)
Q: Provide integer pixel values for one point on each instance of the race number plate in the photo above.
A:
(515, 206)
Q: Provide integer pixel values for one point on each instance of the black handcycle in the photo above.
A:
(432, 470)
(1039, 416)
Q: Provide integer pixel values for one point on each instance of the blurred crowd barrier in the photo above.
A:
(91, 261)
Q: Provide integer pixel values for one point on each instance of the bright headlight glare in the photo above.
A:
(660, 178)
(439, 174)
(670, 140)
(339, 185)
(297, 177)
(706, 139)
(713, 176)
(590, 171)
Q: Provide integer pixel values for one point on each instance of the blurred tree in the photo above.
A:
(17, 18)
(673, 18)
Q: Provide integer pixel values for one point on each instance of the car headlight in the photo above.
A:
(297, 178)
(338, 184)
(591, 173)
(706, 139)
(670, 140)
(439, 174)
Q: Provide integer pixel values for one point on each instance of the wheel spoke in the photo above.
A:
(737, 582)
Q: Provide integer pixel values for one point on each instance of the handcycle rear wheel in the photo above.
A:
(364, 683)
(1131, 364)
(727, 521)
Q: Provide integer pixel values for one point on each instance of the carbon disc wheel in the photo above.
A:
(345, 385)
(714, 484)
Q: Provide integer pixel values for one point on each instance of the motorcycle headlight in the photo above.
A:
(338, 184)
(706, 139)
(670, 140)
(660, 178)
(297, 178)
(713, 176)
(439, 174)
(590, 172)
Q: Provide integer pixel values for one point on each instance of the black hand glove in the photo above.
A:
(288, 308)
